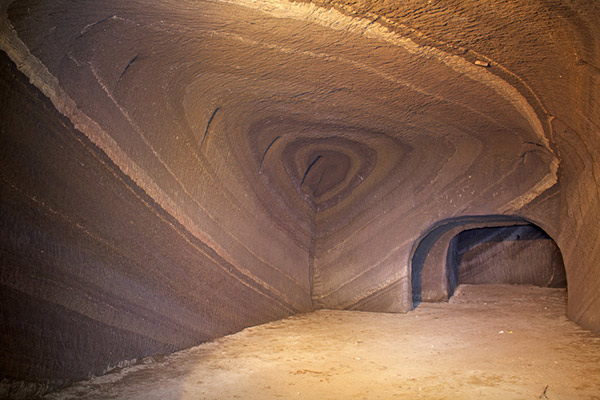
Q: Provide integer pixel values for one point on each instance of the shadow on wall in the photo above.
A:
(484, 250)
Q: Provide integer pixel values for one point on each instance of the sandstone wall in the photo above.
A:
(548, 51)
(190, 168)
(131, 224)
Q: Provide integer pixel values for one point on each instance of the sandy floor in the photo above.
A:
(489, 342)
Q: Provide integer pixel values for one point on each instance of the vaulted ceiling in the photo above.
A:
(276, 156)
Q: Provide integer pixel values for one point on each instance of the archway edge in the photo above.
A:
(435, 240)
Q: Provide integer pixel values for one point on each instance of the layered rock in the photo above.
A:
(549, 52)
(190, 168)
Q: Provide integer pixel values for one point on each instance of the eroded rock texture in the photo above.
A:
(178, 170)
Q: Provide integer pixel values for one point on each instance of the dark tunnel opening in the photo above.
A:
(518, 254)
(483, 250)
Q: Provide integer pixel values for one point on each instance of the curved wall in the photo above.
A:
(298, 149)
(483, 249)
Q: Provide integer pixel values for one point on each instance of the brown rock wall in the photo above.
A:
(94, 271)
(280, 156)
(548, 51)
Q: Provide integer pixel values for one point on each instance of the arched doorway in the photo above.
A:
(483, 249)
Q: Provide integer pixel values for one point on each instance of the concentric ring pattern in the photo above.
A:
(324, 133)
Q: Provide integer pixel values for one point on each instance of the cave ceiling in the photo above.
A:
(315, 111)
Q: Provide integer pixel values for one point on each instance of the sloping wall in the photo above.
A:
(97, 270)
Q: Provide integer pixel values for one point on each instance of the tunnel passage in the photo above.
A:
(483, 250)
(518, 254)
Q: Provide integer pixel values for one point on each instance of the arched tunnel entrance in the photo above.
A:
(484, 250)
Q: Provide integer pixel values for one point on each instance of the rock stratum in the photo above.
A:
(175, 171)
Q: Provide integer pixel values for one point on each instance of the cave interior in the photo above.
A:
(173, 172)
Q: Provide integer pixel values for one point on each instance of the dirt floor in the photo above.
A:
(488, 342)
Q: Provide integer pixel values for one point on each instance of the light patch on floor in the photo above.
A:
(488, 342)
